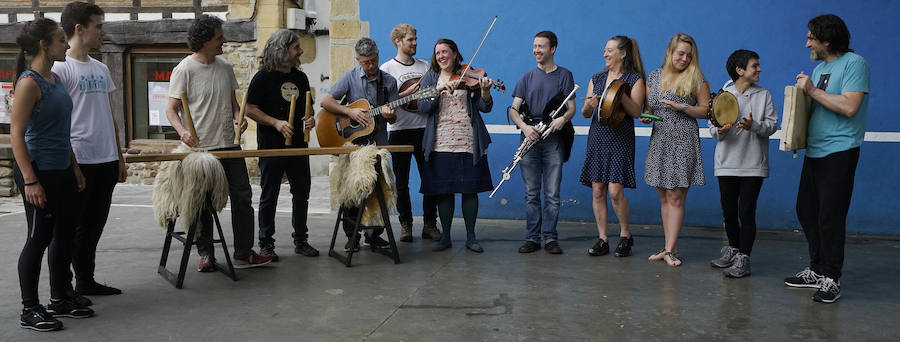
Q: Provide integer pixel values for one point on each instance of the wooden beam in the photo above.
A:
(285, 152)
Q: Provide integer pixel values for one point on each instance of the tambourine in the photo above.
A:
(610, 110)
(723, 107)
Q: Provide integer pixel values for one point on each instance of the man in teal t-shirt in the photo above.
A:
(839, 88)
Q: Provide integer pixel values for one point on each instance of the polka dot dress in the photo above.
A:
(673, 157)
(609, 156)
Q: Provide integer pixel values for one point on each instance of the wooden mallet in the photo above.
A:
(187, 117)
(288, 141)
(309, 113)
(240, 120)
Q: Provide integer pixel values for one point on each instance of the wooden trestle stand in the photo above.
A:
(188, 238)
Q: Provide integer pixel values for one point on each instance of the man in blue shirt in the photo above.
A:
(839, 88)
(543, 163)
(365, 81)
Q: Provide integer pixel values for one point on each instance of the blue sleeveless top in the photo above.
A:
(47, 134)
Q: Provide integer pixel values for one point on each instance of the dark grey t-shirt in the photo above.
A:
(537, 87)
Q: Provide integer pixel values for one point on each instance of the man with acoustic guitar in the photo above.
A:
(365, 81)
(543, 164)
(409, 130)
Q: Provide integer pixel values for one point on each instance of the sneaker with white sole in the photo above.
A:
(726, 259)
(252, 260)
(740, 266)
(806, 278)
(68, 308)
(829, 291)
(37, 318)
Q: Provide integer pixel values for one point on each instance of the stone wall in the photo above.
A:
(7, 185)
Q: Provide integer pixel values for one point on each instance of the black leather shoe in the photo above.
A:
(529, 246)
(624, 247)
(94, 289)
(552, 247)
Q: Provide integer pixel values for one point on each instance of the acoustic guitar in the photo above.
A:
(334, 130)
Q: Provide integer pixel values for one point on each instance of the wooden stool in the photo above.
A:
(358, 227)
(188, 241)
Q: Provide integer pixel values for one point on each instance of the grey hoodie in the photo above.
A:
(747, 154)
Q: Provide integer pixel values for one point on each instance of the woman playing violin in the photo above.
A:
(455, 142)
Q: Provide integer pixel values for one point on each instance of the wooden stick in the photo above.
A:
(308, 115)
(284, 152)
(289, 140)
(240, 120)
(187, 117)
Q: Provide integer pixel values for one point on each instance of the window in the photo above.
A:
(7, 75)
(149, 75)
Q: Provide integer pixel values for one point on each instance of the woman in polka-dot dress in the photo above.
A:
(609, 158)
(678, 93)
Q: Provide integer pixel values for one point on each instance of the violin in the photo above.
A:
(473, 78)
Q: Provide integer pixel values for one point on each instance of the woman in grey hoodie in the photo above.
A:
(742, 160)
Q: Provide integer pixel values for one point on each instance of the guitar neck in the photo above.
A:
(393, 104)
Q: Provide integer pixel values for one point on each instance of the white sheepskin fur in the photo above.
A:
(353, 180)
(181, 187)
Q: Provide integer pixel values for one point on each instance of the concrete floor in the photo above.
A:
(458, 295)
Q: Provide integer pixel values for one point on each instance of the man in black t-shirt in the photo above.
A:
(269, 103)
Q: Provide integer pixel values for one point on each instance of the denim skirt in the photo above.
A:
(454, 173)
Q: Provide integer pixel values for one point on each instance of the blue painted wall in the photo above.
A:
(774, 29)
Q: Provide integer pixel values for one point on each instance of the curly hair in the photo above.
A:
(275, 55)
(830, 28)
(400, 31)
(78, 13)
(202, 30)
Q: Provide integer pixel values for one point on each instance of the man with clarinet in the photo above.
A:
(276, 92)
(207, 83)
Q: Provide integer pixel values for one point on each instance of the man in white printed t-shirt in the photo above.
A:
(209, 82)
(94, 137)
(409, 129)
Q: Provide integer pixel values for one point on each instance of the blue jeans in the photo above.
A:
(542, 165)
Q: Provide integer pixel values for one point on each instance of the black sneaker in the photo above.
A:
(352, 245)
(552, 247)
(37, 318)
(529, 246)
(806, 278)
(600, 248)
(94, 289)
(376, 242)
(303, 248)
(623, 249)
(68, 308)
(829, 291)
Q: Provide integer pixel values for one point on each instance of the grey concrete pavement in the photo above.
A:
(457, 295)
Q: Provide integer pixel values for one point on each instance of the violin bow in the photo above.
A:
(469, 65)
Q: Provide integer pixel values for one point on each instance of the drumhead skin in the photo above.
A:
(724, 109)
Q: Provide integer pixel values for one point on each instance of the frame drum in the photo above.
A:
(724, 108)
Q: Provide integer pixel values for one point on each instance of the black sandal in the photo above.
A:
(661, 251)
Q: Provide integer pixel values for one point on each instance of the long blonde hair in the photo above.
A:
(685, 83)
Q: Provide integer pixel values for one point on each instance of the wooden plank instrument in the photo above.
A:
(309, 113)
(187, 117)
(289, 140)
(282, 152)
(240, 120)
(795, 119)
(335, 130)
(527, 144)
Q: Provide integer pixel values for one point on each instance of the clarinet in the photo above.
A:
(527, 144)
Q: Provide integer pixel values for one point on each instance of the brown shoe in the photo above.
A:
(430, 231)
(406, 232)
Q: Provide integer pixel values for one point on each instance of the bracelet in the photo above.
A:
(685, 108)
(32, 183)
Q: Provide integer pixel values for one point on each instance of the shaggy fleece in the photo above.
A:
(353, 181)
